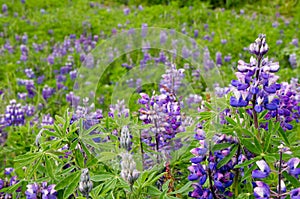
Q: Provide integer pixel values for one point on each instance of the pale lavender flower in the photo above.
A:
(4, 8)
(279, 41)
(293, 60)
(85, 184)
(295, 42)
(126, 11)
(128, 168)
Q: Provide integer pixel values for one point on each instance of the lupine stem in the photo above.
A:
(236, 177)
(255, 118)
(142, 149)
(210, 181)
(279, 174)
(156, 139)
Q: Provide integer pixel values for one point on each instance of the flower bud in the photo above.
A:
(85, 184)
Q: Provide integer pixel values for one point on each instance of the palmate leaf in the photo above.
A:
(72, 186)
(67, 180)
(250, 146)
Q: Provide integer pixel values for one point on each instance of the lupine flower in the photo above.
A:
(126, 11)
(35, 191)
(258, 81)
(125, 139)
(279, 41)
(128, 168)
(222, 178)
(207, 61)
(47, 92)
(293, 60)
(119, 108)
(295, 193)
(223, 41)
(85, 184)
(196, 33)
(47, 120)
(4, 8)
(14, 114)
(261, 190)
(219, 58)
(227, 58)
(8, 171)
(293, 167)
(295, 42)
(263, 171)
(30, 88)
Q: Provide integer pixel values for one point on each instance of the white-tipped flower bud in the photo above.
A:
(128, 165)
(85, 184)
(125, 139)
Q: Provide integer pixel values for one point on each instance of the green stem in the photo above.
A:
(237, 172)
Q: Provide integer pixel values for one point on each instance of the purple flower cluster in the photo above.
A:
(35, 191)
(163, 112)
(119, 109)
(288, 106)
(205, 168)
(257, 85)
(14, 114)
(256, 80)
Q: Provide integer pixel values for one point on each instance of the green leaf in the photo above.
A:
(102, 177)
(165, 186)
(282, 134)
(12, 188)
(243, 196)
(67, 180)
(291, 179)
(59, 119)
(96, 190)
(257, 144)
(87, 132)
(231, 121)
(79, 160)
(49, 167)
(183, 189)
(74, 144)
(153, 191)
(250, 146)
(267, 140)
(104, 156)
(51, 133)
(35, 166)
(217, 147)
(228, 157)
(72, 186)
(248, 172)
(58, 130)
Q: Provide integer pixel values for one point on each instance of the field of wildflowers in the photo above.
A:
(149, 99)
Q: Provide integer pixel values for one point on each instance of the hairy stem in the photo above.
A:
(279, 175)
(156, 139)
(255, 118)
(237, 172)
(142, 149)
